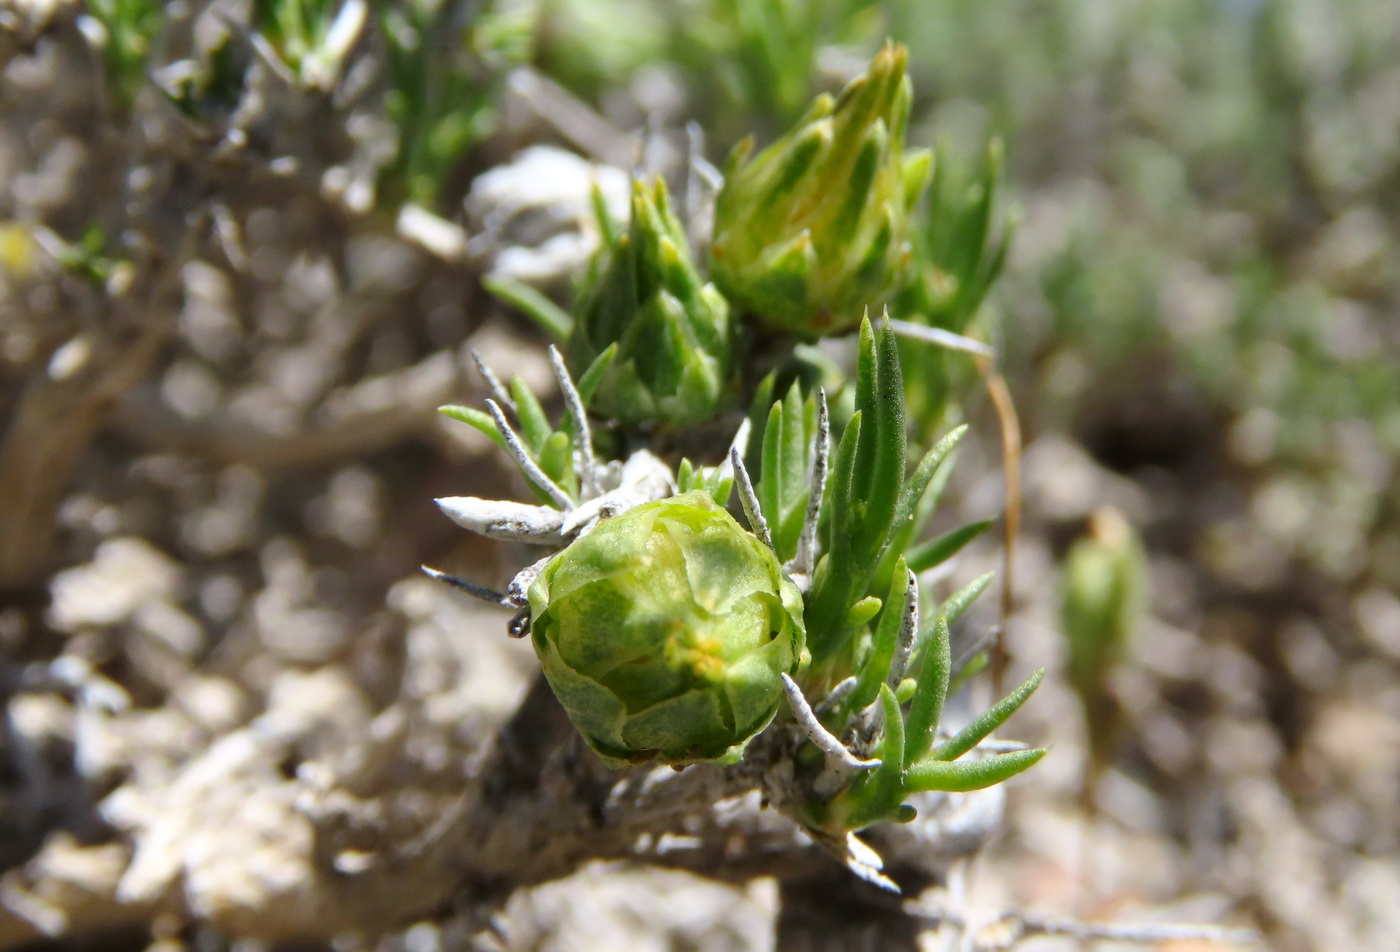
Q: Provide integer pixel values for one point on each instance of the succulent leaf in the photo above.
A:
(476, 419)
(917, 502)
(940, 549)
(974, 733)
(926, 706)
(867, 478)
(882, 648)
(972, 774)
(553, 319)
(785, 467)
(959, 601)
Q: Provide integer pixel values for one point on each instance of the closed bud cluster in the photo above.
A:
(673, 332)
(665, 631)
(812, 230)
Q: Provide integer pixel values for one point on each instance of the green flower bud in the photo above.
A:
(811, 231)
(1105, 578)
(1103, 593)
(664, 633)
(673, 331)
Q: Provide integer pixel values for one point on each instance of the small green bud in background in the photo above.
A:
(665, 631)
(1104, 587)
(812, 230)
(673, 331)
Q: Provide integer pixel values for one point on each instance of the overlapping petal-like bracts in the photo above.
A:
(812, 231)
(673, 331)
(665, 631)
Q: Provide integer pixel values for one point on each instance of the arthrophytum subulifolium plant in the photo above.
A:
(770, 595)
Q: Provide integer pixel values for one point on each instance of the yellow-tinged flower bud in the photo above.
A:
(664, 633)
(811, 231)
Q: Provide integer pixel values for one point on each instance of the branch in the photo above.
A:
(361, 420)
(58, 415)
(1013, 927)
(231, 843)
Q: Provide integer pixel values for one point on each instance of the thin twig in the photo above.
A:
(804, 561)
(749, 499)
(940, 338)
(841, 764)
(585, 462)
(493, 383)
(837, 694)
(471, 588)
(908, 631)
(1012, 927)
(525, 461)
(1011, 462)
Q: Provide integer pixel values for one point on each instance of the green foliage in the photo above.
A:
(552, 319)
(89, 257)
(445, 80)
(911, 759)
(784, 464)
(961, 237)
(863, 496)
(717, 481)
(672, 332)
(772, 45)
(960, 242)
(545, 447)
(310, 38)
(128, 29)
(808, 234)
(862, 609)
(208, 90)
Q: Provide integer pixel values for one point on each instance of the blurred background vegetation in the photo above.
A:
(1198, 316)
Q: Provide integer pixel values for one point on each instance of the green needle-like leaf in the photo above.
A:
(969, 775)
(587, 384)
(933, 460)
(474, 418)
(782, 481)
(914, 508)
(877, 665)
(554, 320)
(881, 790)
(840, 491)
(793, 454)
(926, 707)
(534, 425)
(881, 457)
(607, 226)
(959, 601)
(937, 551)
(770, 478)
(974, 733)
